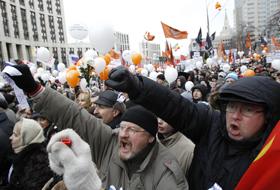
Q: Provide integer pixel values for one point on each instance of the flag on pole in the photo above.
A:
(73, 58)
(275, 42)
(208, 45)
(264, 171)
(213, 36)
(149, 37)
(199, 37)
(248, 43)
(170, 32)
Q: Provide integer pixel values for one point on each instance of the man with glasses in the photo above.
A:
(227, 141)
(130, 158)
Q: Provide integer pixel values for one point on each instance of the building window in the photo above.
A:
(80, 52)
(60, 30)
(63, 55)
(55, 54)
(21, 2)
(58, 7)
(43, 28)
(34, 26)
(5, 20)
(40, 5)
(31, 4)
(24, 24)
(71, 51)
(52, 29)
(49, 6)
(15, 21)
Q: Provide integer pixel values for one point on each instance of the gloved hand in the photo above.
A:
(73, 161)
(122, 80)
(25, 81)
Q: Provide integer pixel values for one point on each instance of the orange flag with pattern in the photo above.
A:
(170, 32)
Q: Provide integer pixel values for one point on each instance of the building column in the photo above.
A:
(4, 51)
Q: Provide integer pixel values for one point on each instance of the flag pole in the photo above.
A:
(208, 28)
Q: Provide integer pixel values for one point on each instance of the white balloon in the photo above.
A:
(127, 56)
(40, 70)
(153, 75)
(55, 73)
(43, 55)
(102, 37)
(150, 67)
(276, 64)
(189, 85)
(226, 67)
(45, 76)
(89, 57)
(33, 69)
(61, 67)
(99, 64)
(144, 72)
(52, 79)
(62, 77)
(243, 68)
(78, 31)
(170, 74)
(83, 85)
(131, 68)
(209, 62)
(198, 64)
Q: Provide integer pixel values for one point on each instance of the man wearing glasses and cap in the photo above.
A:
(227, 141)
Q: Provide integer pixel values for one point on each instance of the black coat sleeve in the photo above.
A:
(193, 120)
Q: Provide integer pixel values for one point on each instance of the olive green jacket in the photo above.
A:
(160, 169)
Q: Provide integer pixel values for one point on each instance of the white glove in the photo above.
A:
(74, 161)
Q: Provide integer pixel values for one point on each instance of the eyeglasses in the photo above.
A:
(130, 130)
(246, 110)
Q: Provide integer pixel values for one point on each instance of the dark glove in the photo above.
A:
(122, 80)
(25, 81)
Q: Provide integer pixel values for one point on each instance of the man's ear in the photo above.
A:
(151, 139)
(116, 112)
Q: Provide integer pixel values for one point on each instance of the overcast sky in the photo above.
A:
(135, 17)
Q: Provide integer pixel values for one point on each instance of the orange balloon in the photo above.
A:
(104, 75)
(136, 58)
(107, 58)
(249, 73)
(73, 78)
(79, 62)
(72, 67)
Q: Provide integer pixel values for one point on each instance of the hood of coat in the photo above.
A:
(260, 90)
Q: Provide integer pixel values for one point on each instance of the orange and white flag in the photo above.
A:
(170, 32)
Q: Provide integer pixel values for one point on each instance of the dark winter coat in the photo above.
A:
(30, 168)
(217, 158)
(6, 130)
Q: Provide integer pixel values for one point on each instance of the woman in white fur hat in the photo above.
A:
(30, 169)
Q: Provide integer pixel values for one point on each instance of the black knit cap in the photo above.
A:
(142, 117)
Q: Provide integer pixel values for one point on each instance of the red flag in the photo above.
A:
(248, 43)
(264, 171)
(275, 42)
(174, 33)
(149, 37)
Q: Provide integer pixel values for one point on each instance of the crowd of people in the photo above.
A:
(202, 131)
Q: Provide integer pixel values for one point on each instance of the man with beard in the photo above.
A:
(130, 158)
